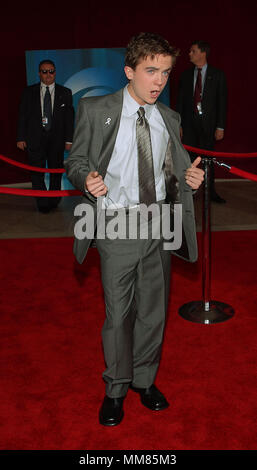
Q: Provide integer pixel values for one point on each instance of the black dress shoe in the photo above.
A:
(216, 198)
(152, 398)
(111, 411)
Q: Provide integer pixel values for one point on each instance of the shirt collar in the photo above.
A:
(51, 87)
(130, 106)
(204, 67)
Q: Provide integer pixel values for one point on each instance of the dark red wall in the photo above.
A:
(229, 26)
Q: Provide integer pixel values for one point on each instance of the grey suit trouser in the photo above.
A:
(136, 277)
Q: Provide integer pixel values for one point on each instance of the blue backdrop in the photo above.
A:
(87, 72)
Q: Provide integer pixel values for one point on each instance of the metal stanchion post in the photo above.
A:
(206, 311)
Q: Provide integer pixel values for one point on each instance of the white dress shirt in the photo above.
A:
(122, 173)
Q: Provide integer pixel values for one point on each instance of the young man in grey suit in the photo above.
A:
(106, 162)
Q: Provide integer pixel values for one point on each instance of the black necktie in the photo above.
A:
(47, 109)
(198, 90)
(147, 193)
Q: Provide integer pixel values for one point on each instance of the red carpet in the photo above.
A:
(51, 357)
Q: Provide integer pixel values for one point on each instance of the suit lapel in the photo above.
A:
(111, 115)
(208, 82)
(37, 98)
(57, 97)
(191, 83)
(177, 152)
(172, 134)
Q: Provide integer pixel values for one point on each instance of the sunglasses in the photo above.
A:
(52, 71)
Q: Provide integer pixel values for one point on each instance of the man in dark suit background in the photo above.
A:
(202, 104)
(45, 129)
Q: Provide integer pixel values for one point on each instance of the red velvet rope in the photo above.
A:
(209, 153)
(243, 174)
(74, 192)
(31, 168)
(38, 193)
(192, 149)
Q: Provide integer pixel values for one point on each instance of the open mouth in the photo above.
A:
(155, 93)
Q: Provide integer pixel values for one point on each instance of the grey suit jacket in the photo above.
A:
(97, 124)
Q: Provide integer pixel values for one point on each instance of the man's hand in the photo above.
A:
(95, 184)
(21, 145)
(219, 134)
(194, 176)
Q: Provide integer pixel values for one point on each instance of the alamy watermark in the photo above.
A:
(140, 222)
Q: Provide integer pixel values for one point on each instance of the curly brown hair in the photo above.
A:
(148, 44)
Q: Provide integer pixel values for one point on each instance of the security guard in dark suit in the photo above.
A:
(45, 129)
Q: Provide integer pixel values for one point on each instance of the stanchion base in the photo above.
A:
(213, 312)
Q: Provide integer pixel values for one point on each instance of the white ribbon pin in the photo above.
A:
(108, 121)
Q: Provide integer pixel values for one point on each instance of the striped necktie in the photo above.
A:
(147, 193)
